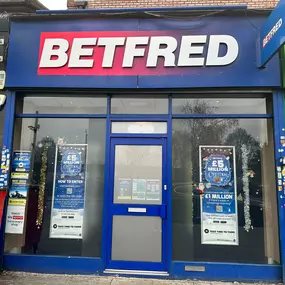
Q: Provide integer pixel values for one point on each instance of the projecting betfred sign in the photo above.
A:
(272, 34)
(117, 53)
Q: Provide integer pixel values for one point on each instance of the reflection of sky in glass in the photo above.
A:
(254, 127)
(219, 106)
(72, 130)
(65, 105)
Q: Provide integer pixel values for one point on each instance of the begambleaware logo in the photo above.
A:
(132, 53)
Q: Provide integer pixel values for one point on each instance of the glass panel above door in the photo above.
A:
(139, 127)
(139, 105)
(138, 174)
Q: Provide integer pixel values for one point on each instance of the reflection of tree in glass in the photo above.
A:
(189, 134)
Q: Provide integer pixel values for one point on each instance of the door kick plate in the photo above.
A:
(137, 210)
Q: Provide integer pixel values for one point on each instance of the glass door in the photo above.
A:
(137, 212)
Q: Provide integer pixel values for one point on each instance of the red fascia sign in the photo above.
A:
(131, 52)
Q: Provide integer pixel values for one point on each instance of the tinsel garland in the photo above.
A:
(245, 180)
(41, 197)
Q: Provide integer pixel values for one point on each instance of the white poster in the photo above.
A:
(68, 192)
(66, 224)
(15, 219)
(219, 221)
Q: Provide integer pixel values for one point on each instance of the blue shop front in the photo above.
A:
(143, 146)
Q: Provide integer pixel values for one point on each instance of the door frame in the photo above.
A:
(137, 265)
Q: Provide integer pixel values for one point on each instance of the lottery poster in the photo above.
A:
(219, 220)
(68, 192)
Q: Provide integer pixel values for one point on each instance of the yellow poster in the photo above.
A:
(20, 175)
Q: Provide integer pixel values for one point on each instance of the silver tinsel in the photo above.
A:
(245, 180)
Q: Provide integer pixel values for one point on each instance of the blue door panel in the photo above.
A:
(149, 210)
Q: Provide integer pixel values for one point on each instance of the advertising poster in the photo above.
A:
(5, 161)
(68, 192)
(219, 222)
(139, 189)
(18, 192)
(125, 189)
(153, 190)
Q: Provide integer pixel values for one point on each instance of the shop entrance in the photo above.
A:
(137, 207)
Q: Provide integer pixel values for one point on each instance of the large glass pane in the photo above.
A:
(139, 127)
(138, 174)
(52, 144)
(220, 105)
(246, 148)
(136, 238)
(141, 105)
(63, 105)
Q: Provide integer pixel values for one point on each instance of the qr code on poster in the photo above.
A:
(69, 191)
(219, 209)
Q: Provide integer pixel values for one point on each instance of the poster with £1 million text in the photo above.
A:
(219, 220)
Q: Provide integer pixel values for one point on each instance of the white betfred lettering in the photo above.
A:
(187, 49)
(213, 58)
(78, 50)
(194, 50)
(49, 51)
(110, 45)
(132, 51)
(156, 51)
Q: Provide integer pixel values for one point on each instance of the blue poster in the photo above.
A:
(68, 192)
(218, 202)
(5, 164)
(18, 192)
(20, 178)
(21, 161)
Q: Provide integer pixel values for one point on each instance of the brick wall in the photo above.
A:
(93, 4)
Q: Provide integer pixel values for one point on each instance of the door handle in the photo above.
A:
(163, 211)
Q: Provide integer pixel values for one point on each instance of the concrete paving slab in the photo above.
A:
(19, 278)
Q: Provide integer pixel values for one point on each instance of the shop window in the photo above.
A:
(140, 105)
(63, 209)
(62, 105)
(224, 191)
(220, 105)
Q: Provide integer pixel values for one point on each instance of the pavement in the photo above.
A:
(19, 278)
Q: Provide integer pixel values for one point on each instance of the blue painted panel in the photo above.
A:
(81, 265)
(169, 185)
(272, 33)
(7, 142)
(106, 204)
(122, 209)
(227, 272)
(53, 264)
(279, 123)
(24, 51)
